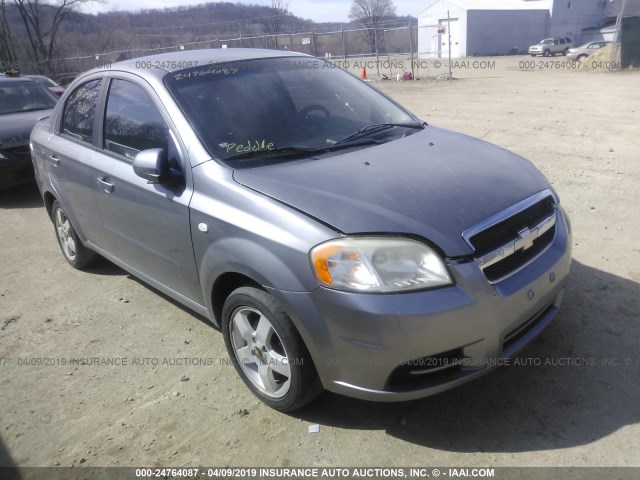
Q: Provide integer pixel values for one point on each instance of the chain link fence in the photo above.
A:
(383, 52)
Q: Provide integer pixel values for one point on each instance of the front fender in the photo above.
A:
(255, 261)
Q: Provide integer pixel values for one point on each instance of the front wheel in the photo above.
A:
(72, 248)
(267, 350)
(547, 53)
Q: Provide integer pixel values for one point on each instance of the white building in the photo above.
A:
(499, 27)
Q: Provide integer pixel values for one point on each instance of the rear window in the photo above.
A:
(79, 111)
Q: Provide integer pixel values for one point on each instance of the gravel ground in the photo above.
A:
(178, 402)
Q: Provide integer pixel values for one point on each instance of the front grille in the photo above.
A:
(509, 241)
(22, 152)
(513, 262)
(508, 229)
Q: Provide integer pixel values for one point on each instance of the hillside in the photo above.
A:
(85, 35)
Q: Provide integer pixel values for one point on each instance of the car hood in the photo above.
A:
(434, 184)
(15, 128)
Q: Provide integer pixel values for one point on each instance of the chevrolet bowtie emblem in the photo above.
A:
(526, 239)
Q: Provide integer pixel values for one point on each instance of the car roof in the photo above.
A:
(159, 65)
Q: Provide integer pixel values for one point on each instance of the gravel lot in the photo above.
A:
(176, 401)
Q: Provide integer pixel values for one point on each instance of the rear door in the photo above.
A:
(145, 225)
(69, 154)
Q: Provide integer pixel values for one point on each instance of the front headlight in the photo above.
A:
(378, 264)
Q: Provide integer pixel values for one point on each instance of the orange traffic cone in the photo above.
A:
(364, 73)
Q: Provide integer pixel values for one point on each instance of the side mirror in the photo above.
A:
(152, 165)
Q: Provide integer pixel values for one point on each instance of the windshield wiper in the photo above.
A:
(375, 128)
(288, 150)
(345, 142)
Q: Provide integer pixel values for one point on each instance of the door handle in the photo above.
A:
(55, 160)
(106, 186)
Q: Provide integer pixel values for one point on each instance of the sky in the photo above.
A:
(317, 10)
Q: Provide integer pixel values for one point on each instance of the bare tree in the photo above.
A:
(370, 13)
(42, 23)
(7, 50)
(280, 11)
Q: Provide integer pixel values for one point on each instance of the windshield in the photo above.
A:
(24, 96)
(284, 106)
(547, 41)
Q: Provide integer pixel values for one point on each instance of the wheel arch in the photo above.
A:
(224, 285)
(232, 262)
(49, 198)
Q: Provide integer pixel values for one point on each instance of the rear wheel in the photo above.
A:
(72, 248)
(566, 52)
(267, 350)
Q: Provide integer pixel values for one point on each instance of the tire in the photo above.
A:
(74, 252)
(581, 57)
(546, 53)
(267, 350)
(566, 52)
(533, 55)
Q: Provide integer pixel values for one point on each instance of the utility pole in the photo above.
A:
(375, 41)
(449, 34)
(413, 73)
(616, 48)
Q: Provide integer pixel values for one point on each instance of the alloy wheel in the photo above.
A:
(65, 235)
(260, 352)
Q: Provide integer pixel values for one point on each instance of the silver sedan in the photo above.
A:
(582, 52)
(338, 241)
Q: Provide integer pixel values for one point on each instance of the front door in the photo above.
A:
(145, 225)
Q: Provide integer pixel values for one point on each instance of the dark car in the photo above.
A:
(337, 240)
(51, 85)
(22, 103)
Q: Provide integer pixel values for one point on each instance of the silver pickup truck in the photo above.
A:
(550, 46)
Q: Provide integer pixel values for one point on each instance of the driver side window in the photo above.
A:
(133, 123)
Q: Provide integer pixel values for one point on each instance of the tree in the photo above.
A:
(370, 13)
(42, 23)
(7, 50)
(280, 11)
